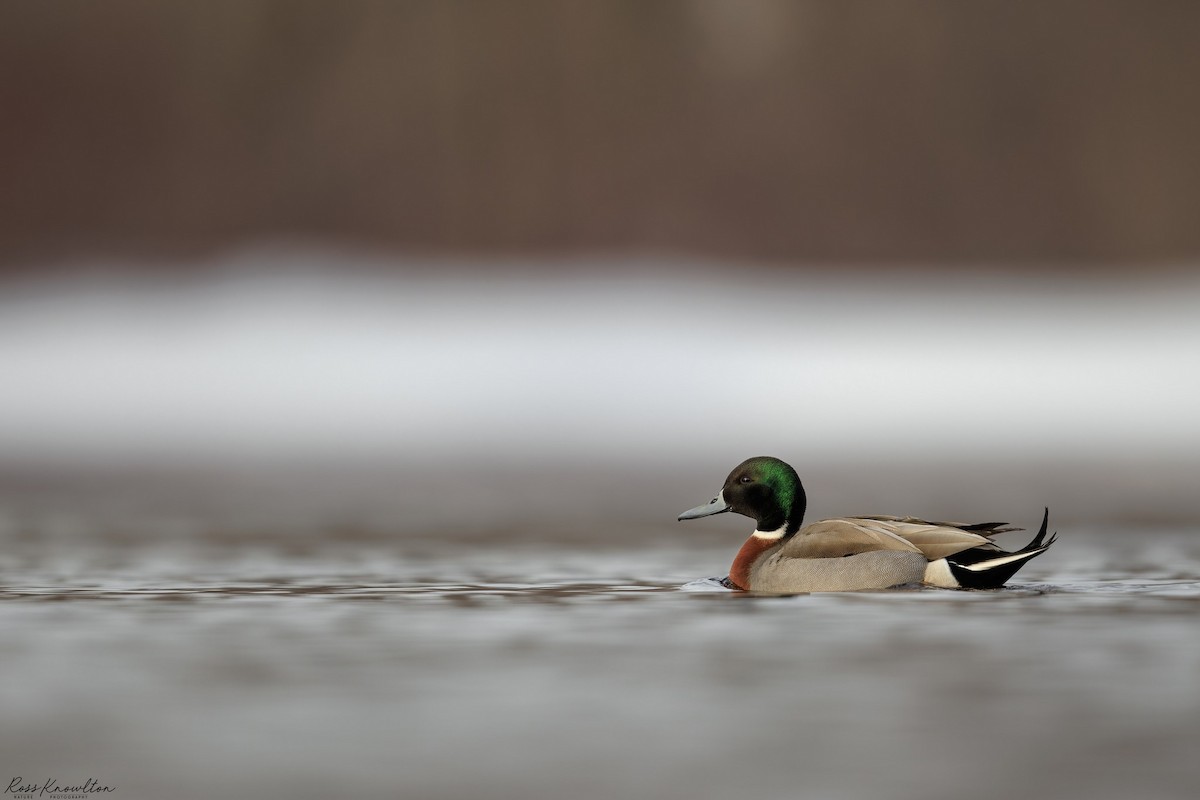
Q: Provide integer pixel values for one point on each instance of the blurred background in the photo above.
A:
(658, 236)
(292, 288)
(799, 133)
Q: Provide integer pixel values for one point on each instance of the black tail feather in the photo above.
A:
(971, 567)
(1041, 534)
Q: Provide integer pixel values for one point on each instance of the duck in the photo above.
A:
(848, 554)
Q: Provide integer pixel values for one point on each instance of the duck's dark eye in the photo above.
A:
(746, 479)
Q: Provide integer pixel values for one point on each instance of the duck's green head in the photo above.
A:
(763, 488)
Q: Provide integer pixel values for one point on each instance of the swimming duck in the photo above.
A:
(852, 553)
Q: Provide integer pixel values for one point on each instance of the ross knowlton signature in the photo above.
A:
(20, 789)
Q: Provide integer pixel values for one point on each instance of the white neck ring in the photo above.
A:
(771, 535)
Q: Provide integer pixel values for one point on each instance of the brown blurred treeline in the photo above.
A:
(951, 132)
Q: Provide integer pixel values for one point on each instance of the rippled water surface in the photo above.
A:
(445, 669)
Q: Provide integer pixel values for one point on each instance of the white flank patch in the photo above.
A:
(937, 573)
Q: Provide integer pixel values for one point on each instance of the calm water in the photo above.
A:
(441, 668)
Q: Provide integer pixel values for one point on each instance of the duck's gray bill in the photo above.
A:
(716, 506)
